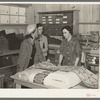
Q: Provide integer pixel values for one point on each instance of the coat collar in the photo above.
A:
(29, 41)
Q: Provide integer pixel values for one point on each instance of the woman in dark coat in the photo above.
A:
(30, 51)
(70, 50)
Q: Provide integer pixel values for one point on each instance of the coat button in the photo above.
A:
(68, 63)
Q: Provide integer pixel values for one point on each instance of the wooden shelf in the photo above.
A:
(13, 15)
(53, 12)
(9, 52)
(13, 24)
(17, 4)
(8, 66)
(90, 64)
(92, 23)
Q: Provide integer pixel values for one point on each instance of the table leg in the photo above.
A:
(18, 86)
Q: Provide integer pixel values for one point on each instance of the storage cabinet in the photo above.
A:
(12, 14)
(54, 21)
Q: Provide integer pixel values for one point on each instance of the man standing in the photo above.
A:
(43, 40)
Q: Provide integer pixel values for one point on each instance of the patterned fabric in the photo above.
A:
(39, 78)
(87, 77)
(41, 70)
(70, 50)
(46, 66)
(67, 68)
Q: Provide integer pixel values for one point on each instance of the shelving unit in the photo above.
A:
(8, 66)
(91, 63)
(54, 21)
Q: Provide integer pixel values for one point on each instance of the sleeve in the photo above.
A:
(78, 49)
(22, 56)
(61, 48)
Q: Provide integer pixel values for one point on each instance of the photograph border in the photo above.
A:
(52, 93)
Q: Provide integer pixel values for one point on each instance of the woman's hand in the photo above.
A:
(48, 60)
(59, 65)
(76, 61)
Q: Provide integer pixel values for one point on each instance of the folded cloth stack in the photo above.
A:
(68, 68)
(46, 66)
(50, 66)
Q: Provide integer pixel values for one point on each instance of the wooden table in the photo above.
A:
(19, 82)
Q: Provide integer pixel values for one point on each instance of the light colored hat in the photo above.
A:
(31, 28)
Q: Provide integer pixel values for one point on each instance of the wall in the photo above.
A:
(88, 13)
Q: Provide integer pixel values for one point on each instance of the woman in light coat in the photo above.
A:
(30, 51)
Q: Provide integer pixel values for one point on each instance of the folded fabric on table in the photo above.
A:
(29, 73)
(67, 68)
(60, 79)
(46, 66)
(87, 77)
(52, 67)
(55, 79)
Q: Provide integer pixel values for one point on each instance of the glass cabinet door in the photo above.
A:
(22, 11)
(4, 9)
(14, 19)
(4, 19)
(22, 20)
(12, 14)
(14, 10)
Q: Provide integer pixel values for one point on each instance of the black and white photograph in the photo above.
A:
(49, 46)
